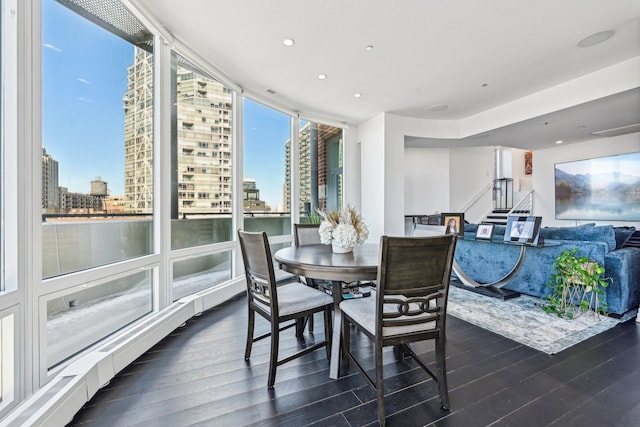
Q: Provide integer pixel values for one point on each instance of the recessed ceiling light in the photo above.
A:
(322, 76)
(357, 95)
(288, 42)
(582, 127)
(596, 38)
(559, 141)
(369, 48)
(439, 107)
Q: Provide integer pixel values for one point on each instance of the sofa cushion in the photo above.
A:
(499, 231)
(563, 233)
(587, 232)
(622, 234)
(470, 228)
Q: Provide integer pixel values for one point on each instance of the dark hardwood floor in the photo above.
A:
(197, 376)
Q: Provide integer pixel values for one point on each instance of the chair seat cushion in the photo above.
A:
(363, 311)
(296, 297)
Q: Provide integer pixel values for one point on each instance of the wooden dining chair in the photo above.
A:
(303, 235)
(410, 305)
(306, 234)
(278, 304)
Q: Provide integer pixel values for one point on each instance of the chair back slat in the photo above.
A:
(306, 234)
(258, 264)
(413, 279)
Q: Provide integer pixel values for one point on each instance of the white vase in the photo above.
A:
(337, 249)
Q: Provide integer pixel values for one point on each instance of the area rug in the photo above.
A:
(523, 320)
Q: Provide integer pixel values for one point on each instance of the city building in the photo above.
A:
(251, 197)
(316, 141)
(138, 134)
(203, 128)
(204, 120)
(50, 194)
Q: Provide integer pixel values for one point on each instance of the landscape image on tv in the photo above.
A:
(606, 188)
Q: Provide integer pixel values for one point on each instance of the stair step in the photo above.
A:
(506, 211)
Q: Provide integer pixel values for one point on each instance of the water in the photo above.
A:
(600, 206)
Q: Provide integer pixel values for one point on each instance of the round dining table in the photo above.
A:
(319, 262)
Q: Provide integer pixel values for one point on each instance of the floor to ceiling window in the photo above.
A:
(267, 133)
(201, 190)
(97, 171)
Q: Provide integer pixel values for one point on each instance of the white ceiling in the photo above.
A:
(425, 52)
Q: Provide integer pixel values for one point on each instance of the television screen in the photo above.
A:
(605, 188)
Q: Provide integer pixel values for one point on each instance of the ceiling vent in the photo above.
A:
(623, 130)
(271, 91)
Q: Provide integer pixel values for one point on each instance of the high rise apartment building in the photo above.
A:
(50, 192)
(138, 134)
(320, 180)
(202, 161)
(204, 164)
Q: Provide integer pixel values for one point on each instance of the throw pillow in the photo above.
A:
(589, 233)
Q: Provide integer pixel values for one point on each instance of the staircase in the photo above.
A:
(499, 216)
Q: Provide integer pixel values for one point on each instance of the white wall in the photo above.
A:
(371, 137)
(426, 180)
(352, 168)
(447, 179)
(471, 171)
(393, 175)
(543, 171)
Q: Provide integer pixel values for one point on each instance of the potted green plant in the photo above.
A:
(577, 285)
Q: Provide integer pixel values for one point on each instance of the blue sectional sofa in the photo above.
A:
(487, 262)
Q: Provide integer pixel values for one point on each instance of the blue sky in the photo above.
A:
(626, 164)
(83, 81)
(84, 78)
(265, 134)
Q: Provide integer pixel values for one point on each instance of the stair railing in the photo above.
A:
(526, 203)
(478, 196)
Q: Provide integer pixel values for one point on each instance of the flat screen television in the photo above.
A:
(523, 229)
(604, 188)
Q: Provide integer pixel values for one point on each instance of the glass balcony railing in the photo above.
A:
(79, 245)
(82, 317)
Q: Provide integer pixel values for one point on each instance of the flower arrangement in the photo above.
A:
(344, 228)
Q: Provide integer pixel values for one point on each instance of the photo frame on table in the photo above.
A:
(484, 231)
(454, 222)
(523, 229)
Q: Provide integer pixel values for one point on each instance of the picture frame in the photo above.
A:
(454, 222)
(523, 229)
(484, 231)
(598, 189)
(528, 162)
